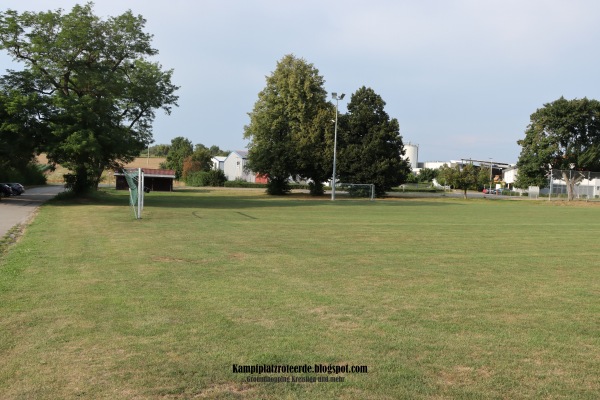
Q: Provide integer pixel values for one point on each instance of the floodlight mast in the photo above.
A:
(335, 96)
(491, 178)
(550, 181)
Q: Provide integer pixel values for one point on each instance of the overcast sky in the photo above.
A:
(461, 76)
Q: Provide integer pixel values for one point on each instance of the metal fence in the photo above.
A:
(585, 184)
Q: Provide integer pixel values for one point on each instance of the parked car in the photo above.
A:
(5, 190)
(17, 188)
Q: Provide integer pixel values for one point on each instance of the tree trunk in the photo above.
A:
(316, 188)
(570, 184)
(100, 168)
(465, 194)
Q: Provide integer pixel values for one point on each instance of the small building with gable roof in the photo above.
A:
(158, 180)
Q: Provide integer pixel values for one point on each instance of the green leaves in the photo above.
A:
(560, 133)
(292, 134)
(181, 148)
(462, 177)
(96, 91)
(370, 145)
(287, 127)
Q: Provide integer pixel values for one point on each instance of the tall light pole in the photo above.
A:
(491, 179)
(571, 187)
(550, 183)
(335, 96)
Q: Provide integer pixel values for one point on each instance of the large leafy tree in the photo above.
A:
(463, 177)
(199, 160)
(93, 78)
(21, 133)
(484, 177)
(427, 175)
(370, 146)
(216, 151)
(180, 149)
(158, 150)
(290, 129)
(561, 135)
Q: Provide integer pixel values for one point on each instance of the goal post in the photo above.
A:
(135, 181)
(359, 189)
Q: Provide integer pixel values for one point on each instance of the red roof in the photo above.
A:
(152, 172)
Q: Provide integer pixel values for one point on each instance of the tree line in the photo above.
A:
(88, 93)
(291, 133)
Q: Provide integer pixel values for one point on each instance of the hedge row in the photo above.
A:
(32, 174)
(214, 177)
(244, 184)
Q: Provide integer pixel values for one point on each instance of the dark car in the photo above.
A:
(5, 190)
(17, 188)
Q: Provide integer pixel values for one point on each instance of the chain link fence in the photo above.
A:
(585, 185)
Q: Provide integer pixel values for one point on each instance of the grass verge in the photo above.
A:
(439, 298)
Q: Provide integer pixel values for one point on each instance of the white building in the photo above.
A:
(219, 162)
(234, 167)
(585, 188)
(509, 176)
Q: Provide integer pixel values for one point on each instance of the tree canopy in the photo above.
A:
(180, 149)
(20, 132)
(158, 150)
(292, 133)
(561, 133)
(370, 145)
(289, 130)
(427, 175)
(90, 85)
(463, 177)
(199, 160)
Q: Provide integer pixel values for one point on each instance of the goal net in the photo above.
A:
(365, 190)
(135, 181)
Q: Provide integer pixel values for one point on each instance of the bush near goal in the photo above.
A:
(366, 190)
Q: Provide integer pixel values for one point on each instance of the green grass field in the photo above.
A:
(440, 298)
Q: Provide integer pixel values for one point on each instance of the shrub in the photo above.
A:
(316, 188)
(32, 174)
(244, 184)
(194, 179)
(278, 186)
(213, 177)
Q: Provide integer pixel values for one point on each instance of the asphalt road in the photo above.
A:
(18, 209)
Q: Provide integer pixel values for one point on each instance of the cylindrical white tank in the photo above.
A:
(412, 154)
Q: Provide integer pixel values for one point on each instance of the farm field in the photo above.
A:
(438, 298)
(56, 176)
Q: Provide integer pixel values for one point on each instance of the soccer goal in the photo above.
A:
(135, 180)
(359, 189)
